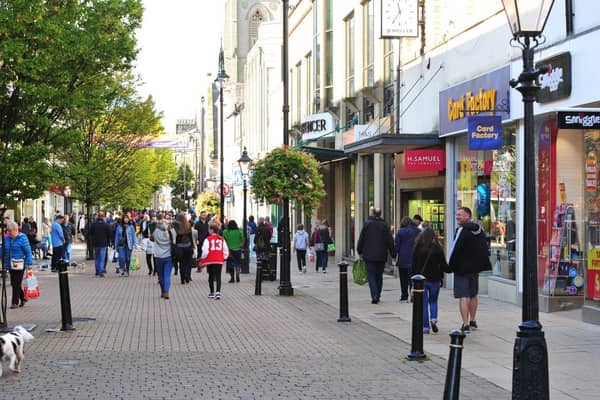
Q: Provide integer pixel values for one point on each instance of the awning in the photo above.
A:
(323, 154)
(392, 143)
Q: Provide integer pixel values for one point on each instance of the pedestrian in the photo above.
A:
(147, 245)
(251, 233)
(100, 239)
(300, 246)
(185, 248)
(418, 221)
(235, 239)
(202, 227)
(262, 245)
(469, 255)
(163, 237)
(404, 244)
(81, 227)
(46, 232)
(25, 226)
(214, 253)
(429, 260)
(321, 239)
(17, 259)
(58, 242)
(68, 232)
(125, 240)
(269, 225)
(375, 244)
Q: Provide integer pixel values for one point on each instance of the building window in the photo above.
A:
(328, 53)
(389, 72)
(369, 43)
(298, 101)
(368, 110)
(317, 38)
(308, 88)
(255, 20)
(349, 28)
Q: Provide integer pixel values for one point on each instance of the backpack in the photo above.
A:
(260, 242)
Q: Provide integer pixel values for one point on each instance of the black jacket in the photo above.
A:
(263, 234)
(433, 267)
(101, 233)
(375, 242)
(470, 253)
(202, 228)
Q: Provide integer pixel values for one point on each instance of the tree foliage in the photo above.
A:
(290, 173)
(183, 181)
(208, 201)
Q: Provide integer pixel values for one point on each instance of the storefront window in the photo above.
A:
(485, 182)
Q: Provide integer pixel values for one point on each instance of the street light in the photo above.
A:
(527, 19)
(245, 163)
(222, 80)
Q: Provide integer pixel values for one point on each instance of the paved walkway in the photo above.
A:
(138, 346)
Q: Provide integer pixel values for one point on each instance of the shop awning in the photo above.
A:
(323, 154)
(392, 143)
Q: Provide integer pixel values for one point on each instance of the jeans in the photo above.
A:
(68, 248)
(430, 299)
(322, 259)
(57, 255)
(301, 258)
(164, 267)
(100, 259)
(124, 259)
(405, 283)
(375, 278)
(251, 244)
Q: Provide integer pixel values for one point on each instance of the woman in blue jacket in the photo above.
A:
(404, 244)
(17, 258)
(125, 243)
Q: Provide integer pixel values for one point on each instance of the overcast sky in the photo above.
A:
(179, 45)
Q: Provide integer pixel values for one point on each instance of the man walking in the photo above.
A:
(468, 257)
(375, 243)
(58, 241)
(101, 233)
(202, 228)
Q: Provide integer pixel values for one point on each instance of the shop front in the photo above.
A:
(482, 165)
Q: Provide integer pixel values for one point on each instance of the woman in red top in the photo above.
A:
(214, 254)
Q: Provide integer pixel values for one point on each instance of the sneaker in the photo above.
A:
(324, 271)
(425, 331)
(211, 295)
(403, 300)
(473, 325)
(218, 296)
(466, 329)
(303, 270)
(434, 326)
(374, 301)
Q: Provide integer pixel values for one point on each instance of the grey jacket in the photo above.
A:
(162, 242)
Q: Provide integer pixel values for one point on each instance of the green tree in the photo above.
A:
(208, 201)
(60, 64)
(183, 181)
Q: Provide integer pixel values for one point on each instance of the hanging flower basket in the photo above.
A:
(290, 173)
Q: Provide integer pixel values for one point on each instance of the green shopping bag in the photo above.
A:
(134, 265)
(359, 272)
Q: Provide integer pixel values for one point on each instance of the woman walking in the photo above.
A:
(125, 242)
(184, 242)
(234, 239)
(429, 260)
(404, 243)
(17, 259)
(321, 239)
(214, 253)
(163, 236)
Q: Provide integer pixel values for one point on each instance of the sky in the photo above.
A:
(179, 45)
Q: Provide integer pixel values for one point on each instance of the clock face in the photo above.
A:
(399, 18)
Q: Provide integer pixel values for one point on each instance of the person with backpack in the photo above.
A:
(184, 242)
(262, 242)
(214, 254)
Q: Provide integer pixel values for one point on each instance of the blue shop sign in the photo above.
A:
(487, 94)
(485, 132)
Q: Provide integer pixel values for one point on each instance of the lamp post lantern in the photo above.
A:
(222, 80)
(527, 19)
(245, 162)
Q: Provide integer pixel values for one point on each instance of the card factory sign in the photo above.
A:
(424, 160)
(316, 126)
(487, 94)
(485, 132)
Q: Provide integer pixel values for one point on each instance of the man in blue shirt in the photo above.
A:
(58, 241)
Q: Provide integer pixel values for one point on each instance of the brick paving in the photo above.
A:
(190, 347)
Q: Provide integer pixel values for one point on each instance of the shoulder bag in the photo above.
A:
(16, 264)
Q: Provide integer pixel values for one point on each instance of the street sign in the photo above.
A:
(226, 190)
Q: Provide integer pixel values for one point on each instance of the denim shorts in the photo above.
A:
(466, 285)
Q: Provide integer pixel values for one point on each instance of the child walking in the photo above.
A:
(214, 253)
(300, 245)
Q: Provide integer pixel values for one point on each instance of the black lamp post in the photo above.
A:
(221, 79)
(285, 284)
(245, 163)
(527, 19)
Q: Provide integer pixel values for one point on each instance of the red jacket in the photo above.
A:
(214, 250)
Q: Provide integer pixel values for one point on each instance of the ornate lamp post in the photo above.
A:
(222, 78)
(527, 19)
(245, 163)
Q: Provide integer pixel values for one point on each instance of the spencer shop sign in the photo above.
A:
(316, 126)
(578, 119)
(487, 94)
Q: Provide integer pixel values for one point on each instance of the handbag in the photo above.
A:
(331, 245)
(359, 272)
(174, 249)
(31, 287)
(115, 256)
(319, 246)
(17, 264)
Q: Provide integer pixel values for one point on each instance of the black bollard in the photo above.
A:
(65, 297)
(344, 314)
(452, 388)
(258, 281)
(416, 345)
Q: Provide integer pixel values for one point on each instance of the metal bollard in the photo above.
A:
(258, 281)
(452, 387)
(65, 297)
(416, 345)
(344, 314)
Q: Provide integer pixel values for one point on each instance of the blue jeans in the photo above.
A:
(124, 259)
(322, 259)
(164, 266)
(68, 249)
(375, 278)
(430, 299)
(100, 259)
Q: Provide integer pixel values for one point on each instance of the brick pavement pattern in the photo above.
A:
(190, 347)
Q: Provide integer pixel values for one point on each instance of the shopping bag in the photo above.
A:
(115, 256)
(311, 257)
(359, 272)
(331, 246)
(31, 287)
(134, 264)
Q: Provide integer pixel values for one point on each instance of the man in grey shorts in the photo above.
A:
(468, 256)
